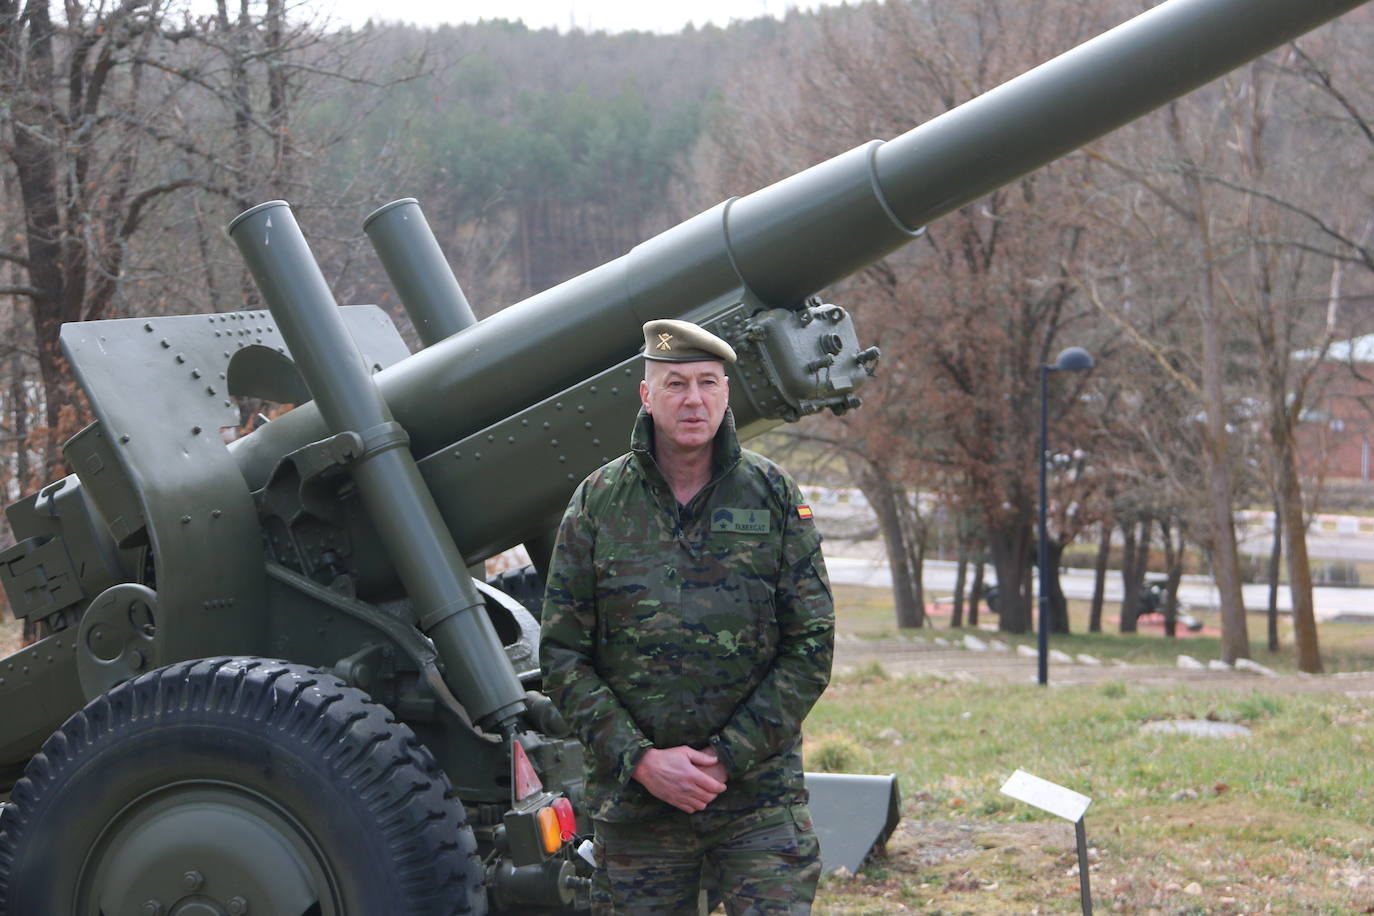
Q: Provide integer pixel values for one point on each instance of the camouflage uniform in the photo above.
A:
(707, 625)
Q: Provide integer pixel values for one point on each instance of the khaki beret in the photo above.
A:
(668, 340)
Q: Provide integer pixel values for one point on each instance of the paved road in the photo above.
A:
(865, 563)
(1330, 537)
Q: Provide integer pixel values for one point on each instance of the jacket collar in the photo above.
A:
(725, 454)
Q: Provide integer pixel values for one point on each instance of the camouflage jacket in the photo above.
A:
(709, 624)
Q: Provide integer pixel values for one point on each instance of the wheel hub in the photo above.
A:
(205, 850)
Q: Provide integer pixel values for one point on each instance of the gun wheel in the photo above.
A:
(236, 786)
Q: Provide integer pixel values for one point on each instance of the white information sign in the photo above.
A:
(1046, 796)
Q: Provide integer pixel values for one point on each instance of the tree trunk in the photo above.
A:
(1173, 568)
(956, 615)
(1104, 552)
(914, 535)
(1010, 546)
(976, 593)
(34, 154)
(1059, 607)
(886, 500)
(1275, 557)
(1235, 639)
(1130, 589)
(1299, 570)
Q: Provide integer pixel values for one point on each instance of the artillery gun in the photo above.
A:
(270, 682)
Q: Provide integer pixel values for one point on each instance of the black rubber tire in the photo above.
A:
(354, 790)
(525, 585)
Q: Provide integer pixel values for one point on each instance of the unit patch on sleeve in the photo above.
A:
(741, 521)
(803, 512)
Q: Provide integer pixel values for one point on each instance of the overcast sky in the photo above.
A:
(589, 15)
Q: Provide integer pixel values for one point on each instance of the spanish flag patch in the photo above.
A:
(803, 512)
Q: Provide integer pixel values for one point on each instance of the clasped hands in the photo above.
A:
(684, 777)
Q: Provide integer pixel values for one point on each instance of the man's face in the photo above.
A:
(686, 400)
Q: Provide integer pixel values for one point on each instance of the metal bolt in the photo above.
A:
(152, 907)
(193, 880)
(237, 906)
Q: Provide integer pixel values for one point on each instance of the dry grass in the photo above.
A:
(1279, 821)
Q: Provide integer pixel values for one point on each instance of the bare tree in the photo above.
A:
(966, 316)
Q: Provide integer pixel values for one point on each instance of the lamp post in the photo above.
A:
(1071, 359)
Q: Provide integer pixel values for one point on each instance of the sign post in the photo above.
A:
(1065, 803)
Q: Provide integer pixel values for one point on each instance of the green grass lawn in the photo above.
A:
(1283, 818)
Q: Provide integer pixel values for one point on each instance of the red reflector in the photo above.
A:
(523, 777)
(567, 821)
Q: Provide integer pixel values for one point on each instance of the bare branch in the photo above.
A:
(29, 291)
(1148, 346)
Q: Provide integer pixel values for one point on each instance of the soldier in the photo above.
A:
(687, 630)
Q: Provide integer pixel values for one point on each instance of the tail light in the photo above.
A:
(567, 821)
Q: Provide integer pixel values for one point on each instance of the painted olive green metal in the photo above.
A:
(418, 270)
(443, 601)
(852, 815)
(337, 536)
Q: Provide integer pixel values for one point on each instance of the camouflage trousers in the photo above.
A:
(762, 861)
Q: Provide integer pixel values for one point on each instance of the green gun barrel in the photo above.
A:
(776, 246)
(410, 254)
(444, 601)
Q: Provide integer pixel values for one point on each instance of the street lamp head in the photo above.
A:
(1073, 359)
